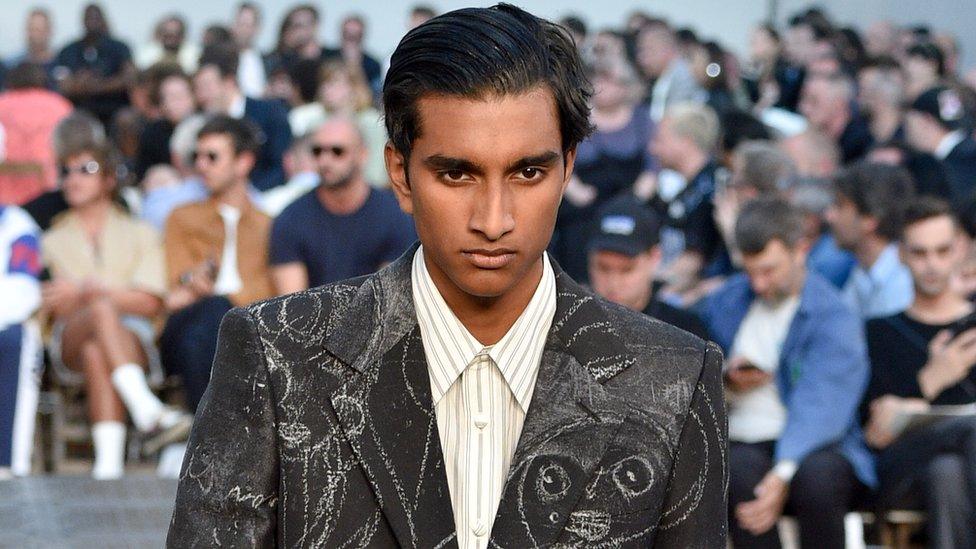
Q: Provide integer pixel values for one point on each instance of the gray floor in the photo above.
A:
(76, 511)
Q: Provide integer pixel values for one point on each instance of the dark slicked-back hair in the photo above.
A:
(764, 220)
(481, 52)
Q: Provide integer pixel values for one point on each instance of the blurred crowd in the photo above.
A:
(809, 205)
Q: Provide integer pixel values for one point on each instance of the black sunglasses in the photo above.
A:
(88, 168)
(209, 155)
(334, 150)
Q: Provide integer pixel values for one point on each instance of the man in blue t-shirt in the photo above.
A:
(343, 228)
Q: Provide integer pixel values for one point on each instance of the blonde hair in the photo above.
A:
(699, 123)
(362, 96)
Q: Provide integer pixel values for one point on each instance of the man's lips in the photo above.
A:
(485, 258)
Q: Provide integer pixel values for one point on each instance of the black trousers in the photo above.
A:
(934, 468)
(823, 490)
(189, 343)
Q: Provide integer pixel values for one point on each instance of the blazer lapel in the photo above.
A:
(570, 423)
(386, 413)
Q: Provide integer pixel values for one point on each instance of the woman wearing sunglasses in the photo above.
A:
(107, 285)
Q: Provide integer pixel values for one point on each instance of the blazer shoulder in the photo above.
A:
(311, 308)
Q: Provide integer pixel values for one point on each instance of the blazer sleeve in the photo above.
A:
(695, 509)
(228, 488)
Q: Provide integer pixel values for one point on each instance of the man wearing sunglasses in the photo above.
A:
(342, 229)
(470, 394)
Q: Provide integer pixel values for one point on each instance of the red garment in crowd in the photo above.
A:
(28, 118)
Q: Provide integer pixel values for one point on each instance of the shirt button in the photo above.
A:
(480, 529)
(481, 420)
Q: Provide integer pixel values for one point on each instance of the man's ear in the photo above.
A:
(396, 167)
(246, 161)
(569, 161)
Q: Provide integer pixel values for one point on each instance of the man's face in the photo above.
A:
(245, 27)
(799, 44)
(302, 29)
(339, 153)
(654, 53)
(776, 273)
(818, 104)
(352, 32)
(209, 89)
(846, 223)
(176, 99)
(38, 30)
(483, 183)
(85, 181)
(932, 249)
(623, 279)
(171, 35)
(94, 21)
(666, 145)
(217, 164)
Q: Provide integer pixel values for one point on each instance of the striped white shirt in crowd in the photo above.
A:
(480, 395)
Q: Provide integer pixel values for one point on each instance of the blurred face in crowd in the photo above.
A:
(302, 29)
(171, 34)
(176, 99)
(483, 182)
(611, 89)
(339, 153)
(667, 146)
(626, 280)
(873, 92)
(336, 93)
(799, 44)
(920, 75)
(94, 21)
(933, 250)
(218, 164)
(881, 39)
(84, 180)
(762, 46)
(38, 31)
(352, 32)
(820, 103)
(210, 89)
(848, 226)
(778, 271)
(655, 51)
(245, 27)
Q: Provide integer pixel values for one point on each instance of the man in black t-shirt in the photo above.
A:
(919, 360)
(343, 228)
(623, 259)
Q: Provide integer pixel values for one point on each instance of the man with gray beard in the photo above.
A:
(343, 228)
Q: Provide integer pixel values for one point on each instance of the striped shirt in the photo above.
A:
(480, 395)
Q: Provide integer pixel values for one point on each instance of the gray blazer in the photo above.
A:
(318, 429)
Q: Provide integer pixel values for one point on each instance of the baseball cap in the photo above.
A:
(624, 225)
(942, 103)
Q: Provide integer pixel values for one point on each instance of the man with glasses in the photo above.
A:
(215, 252)
(344, 227)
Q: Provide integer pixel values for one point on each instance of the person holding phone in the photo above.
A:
(926, 356)
(796, 370)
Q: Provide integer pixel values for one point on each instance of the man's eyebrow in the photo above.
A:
(447, 163)
(545, 159)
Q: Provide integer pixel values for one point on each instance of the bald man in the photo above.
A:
(343, 228)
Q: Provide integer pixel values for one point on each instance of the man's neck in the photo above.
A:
(487, 319)
(870, 249)
(346, 199)
(692, 163)
(939, 309)
(234, 196)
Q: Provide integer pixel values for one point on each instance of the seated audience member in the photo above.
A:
(20, 350)
(624, 257)
(866, 220)
(796, 369)
(881, 97)
(302, 177)
(936, 124)
(107, 285)
(216, 252)
(343, 228)
(661, 63)
(828, 105)
(929, 174)
(218, 92)
(169, 45)
(172, 92)
(685, 142)
(813, 198)
(919, 359)
(29, 113)
(815, 155)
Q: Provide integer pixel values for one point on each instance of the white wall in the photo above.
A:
(132, 20)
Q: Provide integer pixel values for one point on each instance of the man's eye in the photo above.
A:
(453, 176)
(531, 173)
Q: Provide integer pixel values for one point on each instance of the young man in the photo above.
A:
(623, 261)
(918, 359)
(216, 252)
(342, 229)
(470, 394)
(796, 373)
(936, 124)
(866, 220)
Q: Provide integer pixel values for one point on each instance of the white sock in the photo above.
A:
(144, 408)
(109, 441)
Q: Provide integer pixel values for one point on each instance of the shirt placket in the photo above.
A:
(476, 385)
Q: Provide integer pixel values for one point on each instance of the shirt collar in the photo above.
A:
(449, 346)
(886, 264)
(948, 143)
